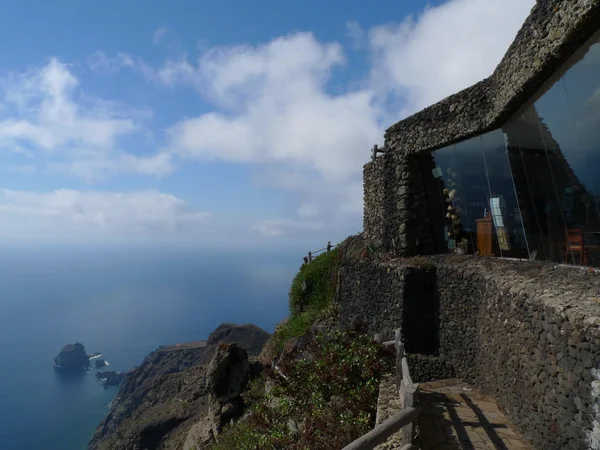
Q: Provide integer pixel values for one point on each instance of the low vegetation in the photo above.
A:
(324, 397)
(311, 295)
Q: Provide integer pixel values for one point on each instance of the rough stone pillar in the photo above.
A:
(396, 212)
(379, 179)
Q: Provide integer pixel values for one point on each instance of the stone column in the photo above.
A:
(396, 211)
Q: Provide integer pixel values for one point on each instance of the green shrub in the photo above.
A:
(306, 306)
(320, 277)
(326, 401)
(296, 325)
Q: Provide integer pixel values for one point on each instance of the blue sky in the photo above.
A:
(218, 122)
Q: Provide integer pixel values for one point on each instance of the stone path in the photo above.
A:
(454, 416)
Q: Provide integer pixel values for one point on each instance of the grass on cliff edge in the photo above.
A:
(320, 276)
(324, 401)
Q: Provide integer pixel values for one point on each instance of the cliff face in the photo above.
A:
(171, 391)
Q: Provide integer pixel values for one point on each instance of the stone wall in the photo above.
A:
(523, 332)
(396, 209)
(370, 293)
(526, 334)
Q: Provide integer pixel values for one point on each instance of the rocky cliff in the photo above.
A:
(180, 388)
(72, 357)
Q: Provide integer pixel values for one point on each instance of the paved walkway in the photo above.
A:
(454, 416)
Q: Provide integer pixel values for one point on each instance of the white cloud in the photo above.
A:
(96, 167)
(158, 34)
(172, 72)
(274, 108)
(279, 228)
(47, 117)
(66, 211)
(24, 169)
(327, 208)
(446, 48)
(46, 96)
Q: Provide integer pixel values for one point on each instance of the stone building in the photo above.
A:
(509, 167)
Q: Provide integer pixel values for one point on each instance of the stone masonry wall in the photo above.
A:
(523, 332)
(395, 214)
(371, 294)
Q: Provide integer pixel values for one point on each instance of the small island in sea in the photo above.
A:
(72, 358)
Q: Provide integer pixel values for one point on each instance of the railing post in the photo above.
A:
(309, 257)
(409, 401)
(329, 246)
(399, 355)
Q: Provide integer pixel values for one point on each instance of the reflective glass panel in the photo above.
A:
(479, 208)
(554, 152)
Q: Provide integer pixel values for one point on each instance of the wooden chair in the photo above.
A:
(574, 244)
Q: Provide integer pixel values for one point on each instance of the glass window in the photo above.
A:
(478, 204)
(554, 153)
(503, 202)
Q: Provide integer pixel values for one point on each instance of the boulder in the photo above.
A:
(201, 435)
(249, 337)
(228, 372)
(226, 378)
(72, 357)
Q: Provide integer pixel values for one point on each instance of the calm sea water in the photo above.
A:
(123, 303)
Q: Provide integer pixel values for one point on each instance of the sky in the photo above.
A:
(218, 123)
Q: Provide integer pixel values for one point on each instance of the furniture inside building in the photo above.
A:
(575, 247)
(485, 235)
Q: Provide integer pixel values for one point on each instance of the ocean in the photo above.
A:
(123, 303)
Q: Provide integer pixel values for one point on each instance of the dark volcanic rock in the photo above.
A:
(227, 375)
(228, 372)
(110, 377)
(72, 357)
(161, 400)
(249, 337)
(100, 363)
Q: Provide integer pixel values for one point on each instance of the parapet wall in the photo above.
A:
(525, 333)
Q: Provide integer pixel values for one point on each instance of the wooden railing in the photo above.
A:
(308, 259)
(409, 396)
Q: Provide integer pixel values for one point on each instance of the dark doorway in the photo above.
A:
(420, 312)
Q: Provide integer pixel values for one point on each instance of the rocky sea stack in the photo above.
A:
(72, 358)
